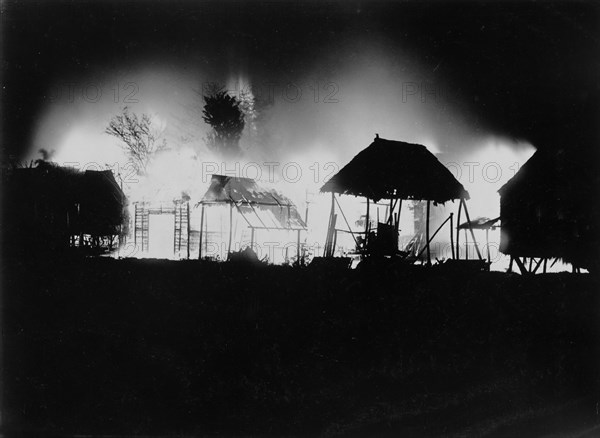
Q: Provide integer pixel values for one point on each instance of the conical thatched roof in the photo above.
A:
(395, 169)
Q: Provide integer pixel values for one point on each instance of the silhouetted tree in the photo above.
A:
(141, 140)
(223, 113)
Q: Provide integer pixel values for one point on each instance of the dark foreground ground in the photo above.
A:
(102, 346)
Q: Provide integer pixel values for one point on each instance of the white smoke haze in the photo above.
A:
(307, 126)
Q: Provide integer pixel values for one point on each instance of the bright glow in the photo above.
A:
(488, 169)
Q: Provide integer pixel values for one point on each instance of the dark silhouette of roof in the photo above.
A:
(389, 169)
(550, 207)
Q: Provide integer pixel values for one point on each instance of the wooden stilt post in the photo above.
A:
(230, 229)
(427, 234)
(206, 233)
(334, 237)
(252, 238)
(471, 230)
(460, 204)
(347, 224)
(330, 247)
(398, 215)
(521, 266)
(510, 265)
(545, 262)
(537, 265)
(433, 235)
(201, 230)
(452, 234)
(329, 236)
(487, 244)
(367, 225)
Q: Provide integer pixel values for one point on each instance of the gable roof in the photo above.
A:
(395, 169)
(260, 207)
(241, 190)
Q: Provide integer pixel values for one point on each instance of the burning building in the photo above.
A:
(394, 171)
(233, 214)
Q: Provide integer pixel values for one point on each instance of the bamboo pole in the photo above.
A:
(433, 235)
(367, 225)
(329, 226)
(427, 233)
(329, 247)
(201, 230)
(399, 211)
(521, 266)
(347, 224)
(537, 265)
(471, 230)
(452, 234)
(230, 229)
(206, 232)
(487, 244)
(458, 229)
(334, 238)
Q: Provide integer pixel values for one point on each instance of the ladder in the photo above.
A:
(182, 229)
(141, 225)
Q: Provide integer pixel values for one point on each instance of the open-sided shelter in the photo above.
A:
(259, 208)
(394, 170)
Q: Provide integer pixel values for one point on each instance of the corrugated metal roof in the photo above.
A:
(260, 207)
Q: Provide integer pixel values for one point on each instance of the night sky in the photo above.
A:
(523, 70)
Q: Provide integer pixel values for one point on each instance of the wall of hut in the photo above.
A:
(549, 209)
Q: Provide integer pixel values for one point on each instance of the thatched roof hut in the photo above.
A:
(389, 169)
(46, 204)
(549, 209)
(394, 170)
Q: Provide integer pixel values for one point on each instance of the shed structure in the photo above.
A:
(260, 209)
(550, 210)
